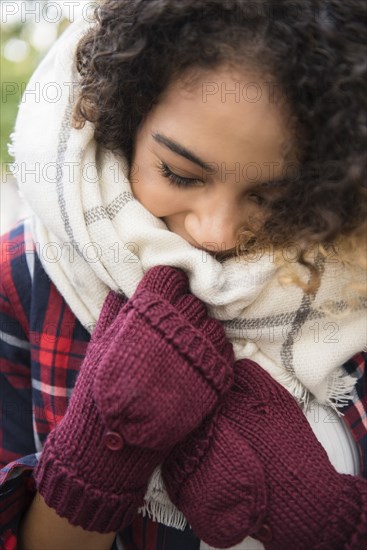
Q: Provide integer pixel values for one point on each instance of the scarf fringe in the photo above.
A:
(158, 506)
(340, 387)
(340, 390)
(167, 514)
(296, 388)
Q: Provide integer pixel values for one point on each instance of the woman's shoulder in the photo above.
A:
(27, 295)
(23, 279)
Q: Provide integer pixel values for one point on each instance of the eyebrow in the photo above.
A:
(189, 155)
(183, 152)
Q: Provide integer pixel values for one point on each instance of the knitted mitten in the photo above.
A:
(308, 504)
(133, 400)
(217, 481)
(176, 366)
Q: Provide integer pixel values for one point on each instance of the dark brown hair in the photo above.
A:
(314, 51)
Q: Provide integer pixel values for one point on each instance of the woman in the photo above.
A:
(194, 125)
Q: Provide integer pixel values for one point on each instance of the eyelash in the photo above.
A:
(179, 181)
(182, 182)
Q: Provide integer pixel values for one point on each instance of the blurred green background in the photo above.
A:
(28, 29)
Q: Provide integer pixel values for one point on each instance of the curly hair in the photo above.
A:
(313, 49)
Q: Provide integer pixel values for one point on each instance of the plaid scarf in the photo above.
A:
(93, 235)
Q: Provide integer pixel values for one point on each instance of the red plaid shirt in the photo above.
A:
(42, 345)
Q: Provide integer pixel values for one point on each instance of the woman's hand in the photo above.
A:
(298, 501)
(155, 367)
(166, 365)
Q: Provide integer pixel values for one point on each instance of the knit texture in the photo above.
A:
(176, 353)
(132, 402)
(307, 505)
(217, 481)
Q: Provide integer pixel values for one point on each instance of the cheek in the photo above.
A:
(155, 194)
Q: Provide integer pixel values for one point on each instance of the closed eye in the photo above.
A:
(175, 179)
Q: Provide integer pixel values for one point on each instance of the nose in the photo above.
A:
(214, 224)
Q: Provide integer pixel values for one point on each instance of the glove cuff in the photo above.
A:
(83, 504)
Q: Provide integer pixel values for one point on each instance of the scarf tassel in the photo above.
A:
(158, 506)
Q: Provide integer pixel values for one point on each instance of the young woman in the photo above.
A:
(199, 208)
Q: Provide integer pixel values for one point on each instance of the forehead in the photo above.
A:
(225, 115)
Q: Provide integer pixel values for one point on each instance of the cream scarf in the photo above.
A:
(92, 236)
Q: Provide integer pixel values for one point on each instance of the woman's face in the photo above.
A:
(204, 154)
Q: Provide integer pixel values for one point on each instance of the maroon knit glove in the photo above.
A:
(172, 374)
(217, 481)
(133, 400)
(309, 505)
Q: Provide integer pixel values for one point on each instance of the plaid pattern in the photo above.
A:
(42, 345)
